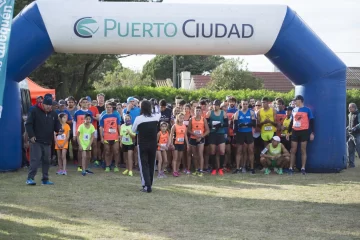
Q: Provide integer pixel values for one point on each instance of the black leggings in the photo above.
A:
(147, 156)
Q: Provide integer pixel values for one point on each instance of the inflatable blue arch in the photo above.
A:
(48, 26)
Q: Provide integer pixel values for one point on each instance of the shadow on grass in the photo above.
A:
(15, 230)
(185, 208)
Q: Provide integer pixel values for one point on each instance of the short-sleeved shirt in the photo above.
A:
(85, 135)
(126, 139)
(79, 118)
(94, 112)
(60, 138)
(134, 113)
(301, 118)
(111, 123)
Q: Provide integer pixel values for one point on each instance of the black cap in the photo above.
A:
(47, 101)
(299, 97)
(289, 108)
(217, 102)
(62, 102)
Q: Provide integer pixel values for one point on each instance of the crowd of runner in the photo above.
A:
(198, 137)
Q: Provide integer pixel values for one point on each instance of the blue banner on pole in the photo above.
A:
(6, 16)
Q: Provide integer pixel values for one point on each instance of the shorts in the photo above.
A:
(267, 136)
(216, 138)
(206, 141)
(126, 148)
(110, 142)
(193, 142)
(244, 137)
(179, 147)
(300, 136)
(229, 140)
(286, 143)
(273, 163)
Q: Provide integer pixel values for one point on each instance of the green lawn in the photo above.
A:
(110, 206)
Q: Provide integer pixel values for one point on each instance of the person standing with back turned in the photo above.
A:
(146, 126)
(40, 126)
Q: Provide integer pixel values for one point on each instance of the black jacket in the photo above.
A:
(42, 125)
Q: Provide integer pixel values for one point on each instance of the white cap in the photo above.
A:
(276, 138)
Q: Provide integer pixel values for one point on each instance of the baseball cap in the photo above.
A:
(88, 98)
(54, 103)
(299, 97)
(217, 102)
(289, 108)
(129, 99)
(62, 102)
(276, 138)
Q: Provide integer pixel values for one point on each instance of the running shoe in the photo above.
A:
(83, 173)
(267, 171)
(130, 173)
(236, 171)
(213, 172)
(221, 172)
(280, 171)
(188, 172)
(59, 172)
(196, 172)
(64, 172)
(303, 171)
(107, 169)
(47, 182)
(116, 169)
(185, 170)
(176, 174)
(243, 170)
(200, 174)
(97, 163)
(125, 172)
(291, 171)
(89, 172)
(30, 182)
(79, 169)
(160, 175)
(252, 171)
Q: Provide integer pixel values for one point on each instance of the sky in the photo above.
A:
(336, 22)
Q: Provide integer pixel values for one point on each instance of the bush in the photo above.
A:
(169, 94)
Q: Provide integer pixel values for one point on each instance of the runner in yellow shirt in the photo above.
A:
(266, 120)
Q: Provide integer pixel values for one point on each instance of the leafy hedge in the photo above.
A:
(169, 94)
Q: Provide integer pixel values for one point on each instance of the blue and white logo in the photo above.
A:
(86, 27)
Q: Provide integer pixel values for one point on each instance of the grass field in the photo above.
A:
(110, 206)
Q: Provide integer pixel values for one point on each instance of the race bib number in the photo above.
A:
(180, 139)
(186, 123)
(297, 124)
(86, 137)
(163, 146)
(226, 136)
(112, 130)
(264, 151)
(60, 137)
(268, 128)
(198, 132)
(125, 139)
(215, 123)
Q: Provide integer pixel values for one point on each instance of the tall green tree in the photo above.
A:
(233, 75)
(160, 67)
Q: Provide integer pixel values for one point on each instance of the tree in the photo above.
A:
(233, 75)
(160, 67)
(122, 77)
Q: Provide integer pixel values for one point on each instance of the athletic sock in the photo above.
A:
(212, 160)
(222, 160)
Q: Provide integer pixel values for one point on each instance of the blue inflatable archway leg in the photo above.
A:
(29, 47)
(320, 76)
